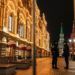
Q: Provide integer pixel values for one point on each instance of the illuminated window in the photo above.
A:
(26, 29)
(10, 23)
(21, 30)
(31, 32)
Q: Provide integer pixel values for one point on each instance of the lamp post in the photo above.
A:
(34, 51)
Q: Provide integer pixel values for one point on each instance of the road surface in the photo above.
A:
(44, 67)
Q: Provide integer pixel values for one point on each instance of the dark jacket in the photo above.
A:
(66, 50)
(55, 52)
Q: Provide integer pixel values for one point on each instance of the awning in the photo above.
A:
(29, 48)
(22, 47)
(11, 43)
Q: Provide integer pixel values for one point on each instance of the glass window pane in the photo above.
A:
(21, 30)
(10, 23)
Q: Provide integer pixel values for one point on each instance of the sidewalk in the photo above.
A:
(44, 67)
(71, 66)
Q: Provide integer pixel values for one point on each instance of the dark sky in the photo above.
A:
(57, 12)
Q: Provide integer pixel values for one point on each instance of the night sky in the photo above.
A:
(57, 12)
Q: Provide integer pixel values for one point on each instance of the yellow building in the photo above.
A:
(16, 23)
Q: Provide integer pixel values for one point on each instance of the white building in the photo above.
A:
(61, 41)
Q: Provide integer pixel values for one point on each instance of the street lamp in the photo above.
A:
(70, 40)
(74, 40)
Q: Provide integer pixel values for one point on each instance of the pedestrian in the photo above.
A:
(55, 54)
(66, 55)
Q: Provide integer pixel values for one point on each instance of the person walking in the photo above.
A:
(66, 55)
(55, 54)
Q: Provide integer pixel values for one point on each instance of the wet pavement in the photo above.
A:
(44, 67)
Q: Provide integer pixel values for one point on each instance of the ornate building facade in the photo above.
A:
(72, 37)
(16, 28)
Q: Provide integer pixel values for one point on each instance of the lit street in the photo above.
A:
(44, 68)
(31, 31)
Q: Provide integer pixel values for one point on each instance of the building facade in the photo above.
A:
(61, 41)
(72, 37)
(72, 40)
(16, 29)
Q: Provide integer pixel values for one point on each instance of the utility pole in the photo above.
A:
(34, 50)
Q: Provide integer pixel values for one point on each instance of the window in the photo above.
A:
(26, 28)
(26, 31)
(21, 30)
(31, 32)
(10, 23)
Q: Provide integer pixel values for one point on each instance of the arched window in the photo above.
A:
(10, 23)
(21, 30)
(26, 28)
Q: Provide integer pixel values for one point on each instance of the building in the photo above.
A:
(61, 41)
(72, 37)
(72, 40)
(16, 28)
